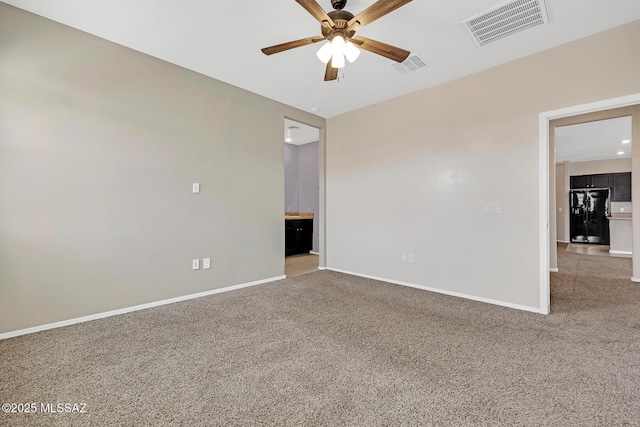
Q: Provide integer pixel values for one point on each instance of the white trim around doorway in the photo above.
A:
(543, 169)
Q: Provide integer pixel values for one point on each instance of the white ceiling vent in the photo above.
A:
(506, 20)
(412, 63)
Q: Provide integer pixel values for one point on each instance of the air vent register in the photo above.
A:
(505, 20)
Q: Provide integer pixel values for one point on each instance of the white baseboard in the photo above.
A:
(445, 292)
(620, 252)
(133, 308)
(314, 253)
(553, 270)
(322, 268)
(635, 279)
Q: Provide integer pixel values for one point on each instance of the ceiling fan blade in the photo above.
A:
(383, 49)
(373, 12)
(330, 73)
(317, 11)
(290, 45)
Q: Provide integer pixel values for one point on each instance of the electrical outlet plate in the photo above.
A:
(196, 187)
(410, 258)
(206, 263)
(195, 264)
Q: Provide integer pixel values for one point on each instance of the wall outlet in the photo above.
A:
(410, 258)
(621, 209)
(404, 257)
(206, 263)
(196, 187)
(195, 264)
(559, 209)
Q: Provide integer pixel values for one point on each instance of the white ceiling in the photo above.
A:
(600, 140)
(222, 39)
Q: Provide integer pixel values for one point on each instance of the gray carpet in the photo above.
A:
(330, 349)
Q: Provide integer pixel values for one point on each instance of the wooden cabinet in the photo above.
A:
(579, 181)
(298, 236)
(621, 187)
(601, 180)
(620, 184)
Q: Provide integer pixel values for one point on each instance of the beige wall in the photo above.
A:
(600, 166)
(99, 146)
(423, 166)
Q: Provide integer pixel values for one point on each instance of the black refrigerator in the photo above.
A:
(588, 216)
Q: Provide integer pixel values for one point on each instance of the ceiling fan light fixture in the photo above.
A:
(325, 52)
(336, 50)
(338, 27)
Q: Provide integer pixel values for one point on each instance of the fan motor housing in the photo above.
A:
(340, 18)
(338, 4)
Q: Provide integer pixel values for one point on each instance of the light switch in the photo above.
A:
(195, 264)
(196, 187)
(206, 263)
(404, 257)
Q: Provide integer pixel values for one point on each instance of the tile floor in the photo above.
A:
(296, 265)
(587, 249)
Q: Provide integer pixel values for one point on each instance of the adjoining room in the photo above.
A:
(593, 186)
(302, 198)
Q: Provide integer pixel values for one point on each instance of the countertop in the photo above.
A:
(620, 215)
(298, 215)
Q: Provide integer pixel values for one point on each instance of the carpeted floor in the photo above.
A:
(329, 349)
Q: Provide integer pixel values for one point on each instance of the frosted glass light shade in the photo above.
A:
(337, 44)
(351, 52)
(337, 61)
(325, 52)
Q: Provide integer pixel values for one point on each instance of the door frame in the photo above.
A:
(322, 222)
(547, 214)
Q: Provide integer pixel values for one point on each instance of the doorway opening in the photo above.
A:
(601, 110)
(302, 198)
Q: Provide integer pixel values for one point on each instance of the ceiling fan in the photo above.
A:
(338, 28)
